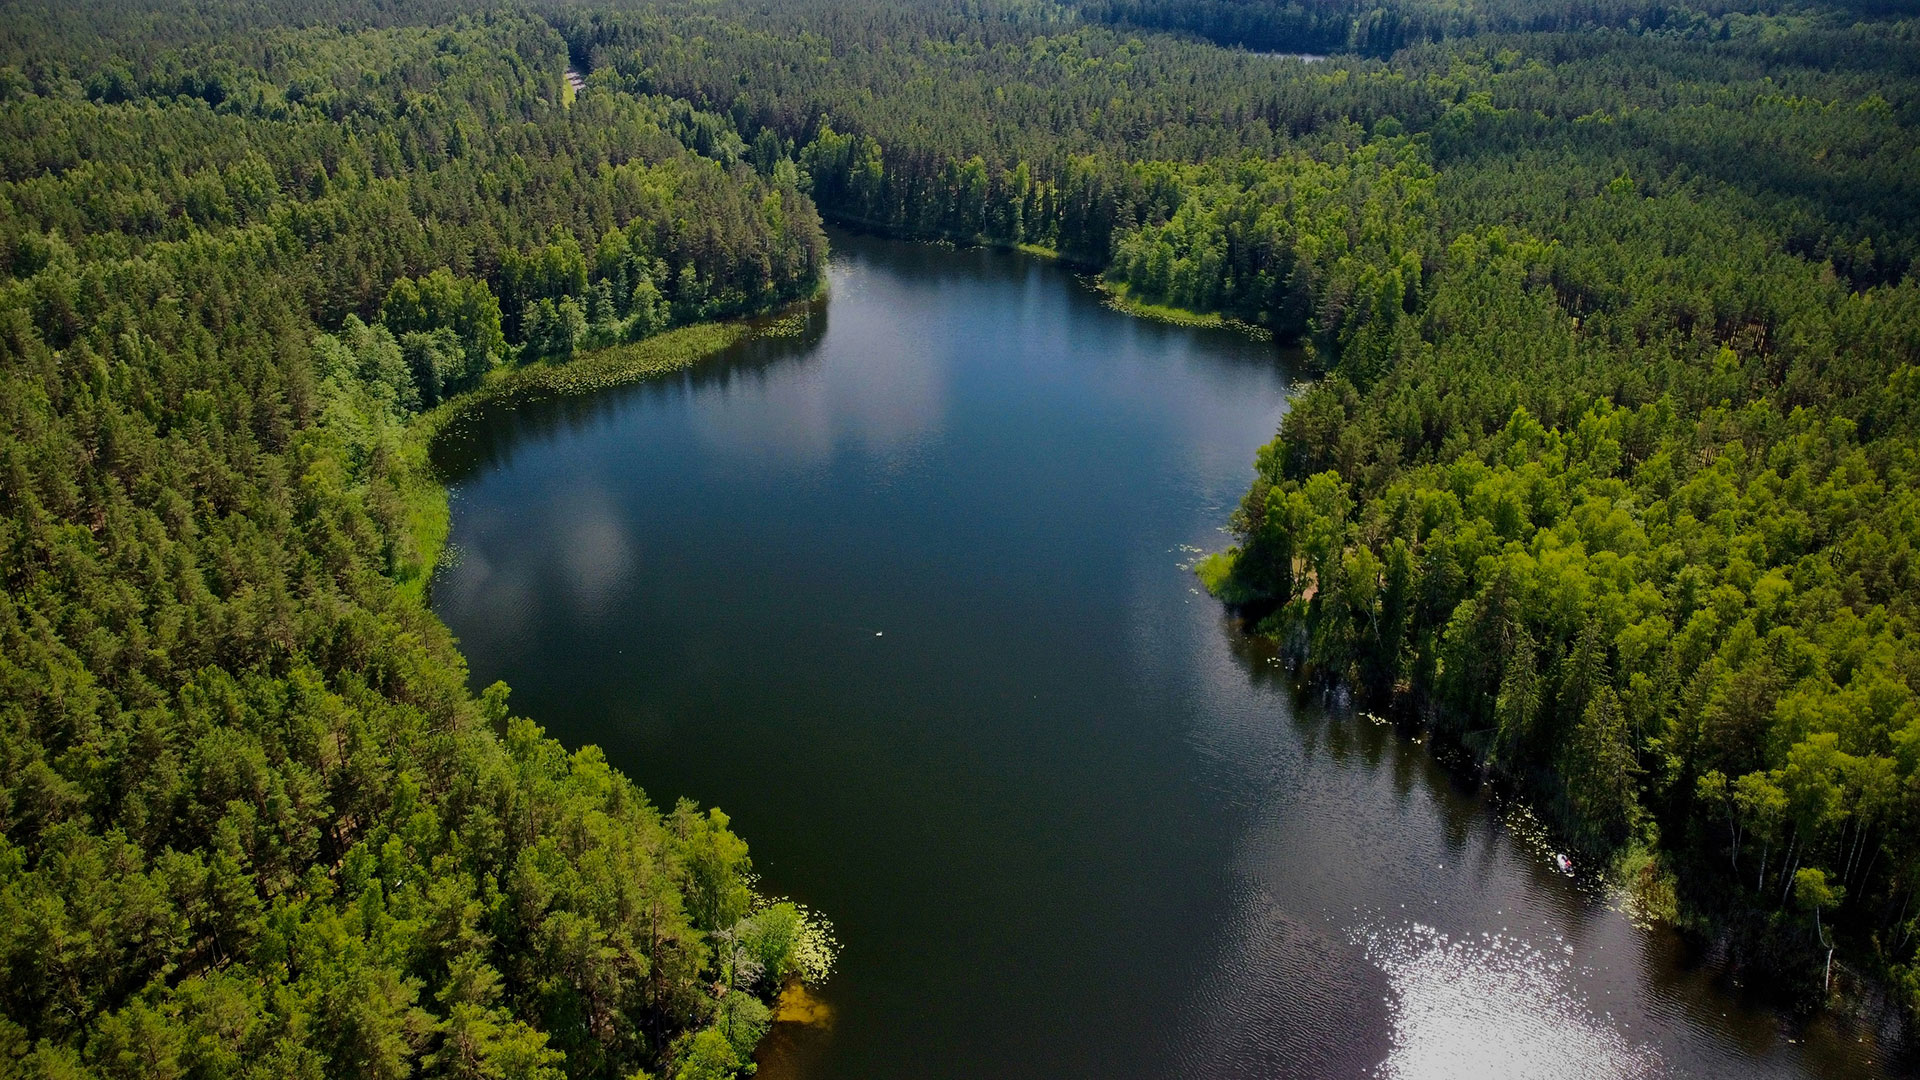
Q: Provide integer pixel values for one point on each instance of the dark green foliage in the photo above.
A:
(1366, 26)
(252, 822)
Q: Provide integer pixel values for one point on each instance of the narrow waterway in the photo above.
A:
(906, 595)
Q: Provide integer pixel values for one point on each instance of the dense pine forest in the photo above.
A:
(252, 822)
(1607, 474)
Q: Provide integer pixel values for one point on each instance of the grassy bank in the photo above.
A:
(1120, 299)
(428, 514)
(588, 372)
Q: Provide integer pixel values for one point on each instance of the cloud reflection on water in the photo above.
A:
(887, 395)
(598, 554)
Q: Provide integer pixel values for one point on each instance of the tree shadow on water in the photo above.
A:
(488, 436)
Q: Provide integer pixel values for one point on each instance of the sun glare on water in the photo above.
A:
(1490, 1006)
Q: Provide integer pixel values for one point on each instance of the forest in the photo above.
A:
(252, 821)
(1607, 475)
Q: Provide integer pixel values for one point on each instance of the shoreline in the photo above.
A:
(429, 513)
(1119, 299)
(683, 348)
(1114, 294)
(1635, 879)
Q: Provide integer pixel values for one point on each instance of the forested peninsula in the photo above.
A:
(1607, 473)
(252, 821)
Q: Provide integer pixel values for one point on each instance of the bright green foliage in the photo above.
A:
(1303, 232)
(716, 860)
(708, 1056)
(743, 1019)
(437, 364)
(1812, 891)
(442, 304)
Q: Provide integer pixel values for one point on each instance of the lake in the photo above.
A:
(907, 595)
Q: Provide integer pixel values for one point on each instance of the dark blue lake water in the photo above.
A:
(906, 595)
